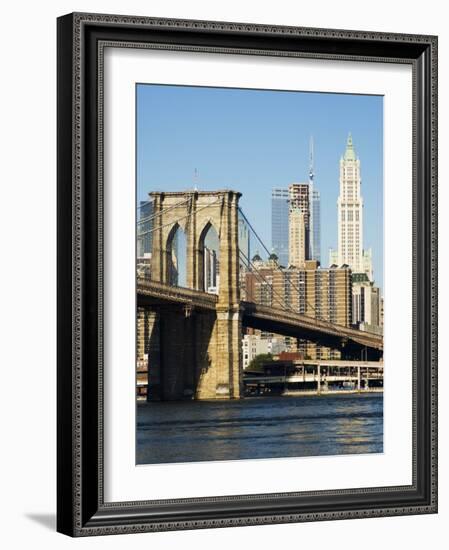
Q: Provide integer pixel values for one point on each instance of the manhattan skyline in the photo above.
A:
(254, 140)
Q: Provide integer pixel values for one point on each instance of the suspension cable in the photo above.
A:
(163, 211)
(261, 277)
(274, 261)
(273, 295)
(145, 203)
(152, 230)
(280, 269)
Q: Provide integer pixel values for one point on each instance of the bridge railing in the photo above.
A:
(175, 293)
(201, 298)
(290, 317)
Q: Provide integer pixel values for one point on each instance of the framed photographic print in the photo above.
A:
(247, 283)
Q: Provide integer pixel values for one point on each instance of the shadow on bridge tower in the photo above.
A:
(195, 353)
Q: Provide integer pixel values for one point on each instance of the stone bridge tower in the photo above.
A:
(199, 352)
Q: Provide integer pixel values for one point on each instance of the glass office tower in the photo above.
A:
(279, 223)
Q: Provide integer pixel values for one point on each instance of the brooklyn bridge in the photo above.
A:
(193, 338)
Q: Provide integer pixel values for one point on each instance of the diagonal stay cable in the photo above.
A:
(268, 252)
(261, 277)
(163, 210)
(145, 203)
(152, 230)
(289, 281)
(276, 300)
(283, 306)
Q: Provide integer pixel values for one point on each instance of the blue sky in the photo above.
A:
(254, 140)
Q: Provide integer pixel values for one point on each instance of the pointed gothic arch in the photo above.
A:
(176, 254)
(208, 258)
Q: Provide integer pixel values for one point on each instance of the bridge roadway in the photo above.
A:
(270, 319)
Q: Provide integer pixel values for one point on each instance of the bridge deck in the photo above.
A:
(186, 296)
(254, 315)
(284, 321)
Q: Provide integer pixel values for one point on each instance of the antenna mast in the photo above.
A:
(311, 167)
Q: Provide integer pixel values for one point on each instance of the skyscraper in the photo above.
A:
(350, 211)
(315, 212)
(366, 303)
(299, 199)
(279, 223)
(297, 239)
(211, 271)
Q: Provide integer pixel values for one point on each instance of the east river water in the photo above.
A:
(262, 427)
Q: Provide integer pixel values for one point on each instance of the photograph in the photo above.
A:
(246, 273)
(259, 273)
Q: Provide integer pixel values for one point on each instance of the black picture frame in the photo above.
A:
(81, 510)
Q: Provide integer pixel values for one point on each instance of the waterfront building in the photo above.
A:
(366, 304)
(142, 339)
(350, 211)
(324, 294)
(278, 344)
(147, 331)
(279, 223)
(258, 286)
(258, 344)
(296, 238)
(253, 345)
(375, 321)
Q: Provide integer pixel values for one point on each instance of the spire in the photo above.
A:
(311, 167)
(349, 153)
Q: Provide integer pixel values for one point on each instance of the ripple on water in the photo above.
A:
(268, 427)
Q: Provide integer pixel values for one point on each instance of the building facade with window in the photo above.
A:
(350, 211)
(296, 238)
(324, 294)
(299, 200)
(315, 223)
(279, 223)
(144, 229)
(366, 304)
